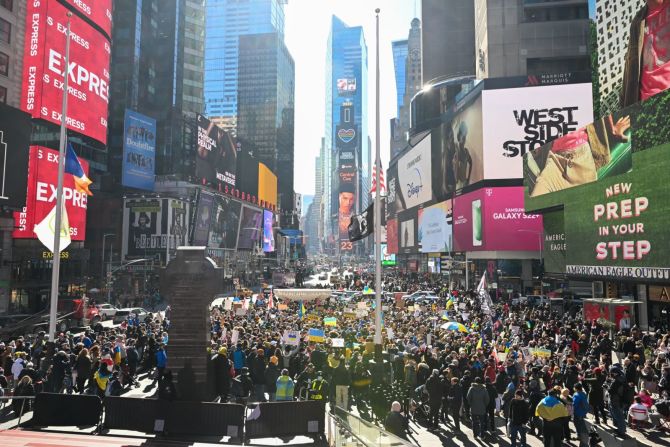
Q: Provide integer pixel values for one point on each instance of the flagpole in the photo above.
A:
(55, 272)
(378, 218)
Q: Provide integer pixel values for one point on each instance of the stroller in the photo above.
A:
(418, 404)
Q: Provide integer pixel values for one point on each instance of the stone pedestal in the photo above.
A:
(190, 282)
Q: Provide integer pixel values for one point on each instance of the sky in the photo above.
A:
(307, 27)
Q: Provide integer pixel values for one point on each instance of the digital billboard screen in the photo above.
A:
(216, 154)
(435, 228)
(139, 151)
(97, 11)
(410, 179)
(202, 220)
(494, 219)
(223, 231)
(392, 235)
(388, 259)
(41, 195)
(518, 120)
(347, 196)
(250, 228)
(268, 233)
(44, 68)
(15, 128)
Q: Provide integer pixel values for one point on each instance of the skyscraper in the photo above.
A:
(346, 82)
(399, 48)
(266, 93)
(157, 70)
(227, 20)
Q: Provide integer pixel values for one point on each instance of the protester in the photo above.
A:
(395, 422)
(519, 415)
(478, 398)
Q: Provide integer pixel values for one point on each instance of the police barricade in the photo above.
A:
(277, 419)
(128, 413)
(53, 409)
(205, 419)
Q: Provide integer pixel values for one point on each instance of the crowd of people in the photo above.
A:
(459, 358)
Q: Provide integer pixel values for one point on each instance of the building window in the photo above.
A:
(5, 31)
(7, 4)
(3, 95)
(4, 64)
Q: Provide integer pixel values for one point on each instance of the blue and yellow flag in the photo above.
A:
(301, 310)
(73, 167)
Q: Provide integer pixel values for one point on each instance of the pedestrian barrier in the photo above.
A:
(53, 409)
(205, 419)
(127, 413)
(276, 419)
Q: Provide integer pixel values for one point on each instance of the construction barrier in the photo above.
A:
(128, 413)
(205, 419)
(277, 419)
(79, 410)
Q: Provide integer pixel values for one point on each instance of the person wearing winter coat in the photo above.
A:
(272, 373)
(478, 399)
(435, 389)
(257, 370)
(24, 388)
(519, 415)
(597, 395)
(454, 401)
(395, 422)
(491, 407)
(552, 411)
(284, 387)
(222, 375)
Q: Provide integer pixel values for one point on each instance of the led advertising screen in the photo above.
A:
(407, 234)
(388, 259)
(494, 219)
(346, 87)
(41, 196)
(202, 220)
(267, 187)
(519, 120)
(250, 228)
(392, 235)
(435, 228)
(268, 233)
(15, 128)
(139, 151)
(410, 180)
(347, 195)
(97, 11)
(44, 68)
(216, 157)
(225, 221)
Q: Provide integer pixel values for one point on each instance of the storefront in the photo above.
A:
(659, 306)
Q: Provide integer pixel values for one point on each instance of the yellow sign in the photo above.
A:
(50, 255)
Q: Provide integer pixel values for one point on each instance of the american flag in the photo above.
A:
(374, 180)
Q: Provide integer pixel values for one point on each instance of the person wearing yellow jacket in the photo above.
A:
(285, 387)
(552, 411)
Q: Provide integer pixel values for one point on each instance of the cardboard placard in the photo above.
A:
(292, 338)
(316, 335)
(338, 342)
(234, 337)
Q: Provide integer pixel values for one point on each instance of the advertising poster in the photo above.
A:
(598, 312)
(409, 180)
(392, 236)
(516, 121)
(246, 177)
(623, 317)
(146, 226)
(97, 11)
(139, 151)
(250, 228)
(268, 233)
(347, 197)
(178, 223)
(15, 128)
(346, 86)
(435, 228)
(216, 154)
(494, 219)
(388, 259)
(225, 221)
(458, 151)
(267, 187)
(43, 70)
(554, 242)
(631, 64)
(203, 220)
(407, 233)
(41, 196)
(598, 151)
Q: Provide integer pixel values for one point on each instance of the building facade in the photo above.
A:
(226, 21)
(266, 93)
(400, 51)
(346, 82)
(12, 34)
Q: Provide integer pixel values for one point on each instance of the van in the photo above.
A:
(537, 300)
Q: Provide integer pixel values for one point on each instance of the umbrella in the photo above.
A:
(454, 326)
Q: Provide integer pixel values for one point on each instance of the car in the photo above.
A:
(519, 300)
(323, 277)
(106, 310)
(419, 294)
(537, 300)
(122, 314)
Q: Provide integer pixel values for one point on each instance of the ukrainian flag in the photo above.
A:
(550, 408)
(72, 166)
(301, 310)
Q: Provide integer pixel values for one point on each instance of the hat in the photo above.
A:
(223, 350)
(274, 360)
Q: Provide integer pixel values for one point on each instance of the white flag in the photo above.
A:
(45, 230)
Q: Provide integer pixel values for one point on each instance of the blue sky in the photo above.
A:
(307, 28)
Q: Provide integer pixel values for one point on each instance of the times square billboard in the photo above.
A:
(97, 11)
(41, 196)
(44, 70)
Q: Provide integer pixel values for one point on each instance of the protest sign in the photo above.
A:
(316, 335)
(234, 337)
(292, 338)
(541, 353)
(338, 342)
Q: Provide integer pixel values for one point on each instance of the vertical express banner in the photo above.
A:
(44, 68)
(97, 11)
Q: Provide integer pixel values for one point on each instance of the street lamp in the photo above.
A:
(540, 236)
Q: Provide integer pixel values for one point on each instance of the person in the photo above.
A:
(617, 392)
(340, 386)
(491, 407)
(24, 388)
(284, 386)
(166, 387)
(257, 370)
(552, 411)
(647, 69)
(82, 366)
(519, 415)
(478, 399)
(638, 412)
(462, 158)
(101, 377)
(597, 395)
(455, 401)
(434, 388)
(580, 408)
(395, 422)
(319, 388)
(114, 386)
(272, 373)
(243, 384)
(161, 362)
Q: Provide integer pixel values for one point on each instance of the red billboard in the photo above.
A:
(44, 68)
(41, 197)
(97, 11)
(494, 219)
